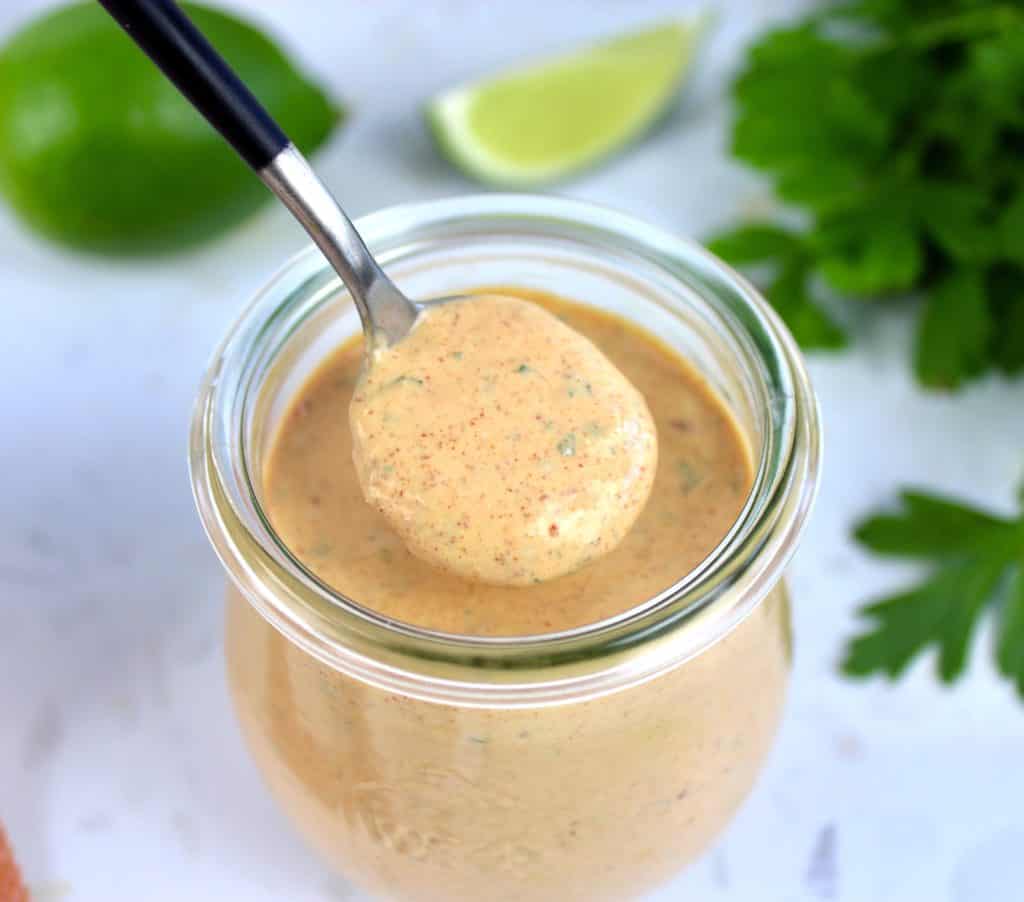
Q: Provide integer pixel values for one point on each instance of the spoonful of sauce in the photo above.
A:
(499, 443)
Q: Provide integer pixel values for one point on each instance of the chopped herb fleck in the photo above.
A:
(593, 429)
(567, 446)
(690, 476)
(456, 355)
(577, 386)
(480, 740)
(523, 368)
(405, 377)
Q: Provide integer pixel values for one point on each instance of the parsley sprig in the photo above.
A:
(896, 127)
(976, 564)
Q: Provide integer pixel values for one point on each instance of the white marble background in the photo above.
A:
(122, 774)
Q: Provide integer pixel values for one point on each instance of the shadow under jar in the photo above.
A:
(590, 763)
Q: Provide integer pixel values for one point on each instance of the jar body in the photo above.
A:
(588, 764)
(600, 799)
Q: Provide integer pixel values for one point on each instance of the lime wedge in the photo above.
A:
(554, 117)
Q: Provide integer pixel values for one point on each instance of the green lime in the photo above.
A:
(552, 118)
(98, 149)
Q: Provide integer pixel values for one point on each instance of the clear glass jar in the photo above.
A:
(591, 763)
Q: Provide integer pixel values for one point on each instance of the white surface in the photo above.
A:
(122, 774)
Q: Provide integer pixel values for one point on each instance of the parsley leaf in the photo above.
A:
(1010, 648)
(1011, 229)
(810, 325)
(1006, 296)
(756, 243)
(977, 562)
(788, 290)
(926, 527)
(869, 252)
(955, 218)
(953, 337)
(897, 128)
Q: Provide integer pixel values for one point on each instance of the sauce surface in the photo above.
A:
(701, 481)
(501, 444)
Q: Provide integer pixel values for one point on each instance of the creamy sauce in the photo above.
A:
(601, 799)
(501, 444)
(701, 481)
(598, 801)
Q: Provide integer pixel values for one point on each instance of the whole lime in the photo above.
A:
(98, 150)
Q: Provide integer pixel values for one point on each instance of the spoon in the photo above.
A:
(178, 48)
(561, 469)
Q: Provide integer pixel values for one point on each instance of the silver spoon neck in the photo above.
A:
(387, 314)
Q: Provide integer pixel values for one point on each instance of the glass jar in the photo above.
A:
(588, 764)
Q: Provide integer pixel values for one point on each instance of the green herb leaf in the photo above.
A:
(954, 216)
(755, 243)
(1010, 646)
(1005, 290)
(810, 325)
(973, 555)
(824, 186)
(942, 611)
(807, 77)
(953, 339)
(1008, 349)
(926, 527)
(1011, 229)
(866, 254)
(897, 130)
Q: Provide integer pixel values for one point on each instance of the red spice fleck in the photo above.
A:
(553, 529)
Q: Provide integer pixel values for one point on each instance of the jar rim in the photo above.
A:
(548, 668)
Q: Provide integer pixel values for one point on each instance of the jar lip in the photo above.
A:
(551, 667)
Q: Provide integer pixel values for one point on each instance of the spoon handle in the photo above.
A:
(168, 37)
(172, 41)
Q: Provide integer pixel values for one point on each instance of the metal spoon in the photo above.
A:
(173, 42)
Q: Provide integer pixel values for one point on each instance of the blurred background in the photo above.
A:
(122, 773)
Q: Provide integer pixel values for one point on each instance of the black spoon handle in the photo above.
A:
(169, 38)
